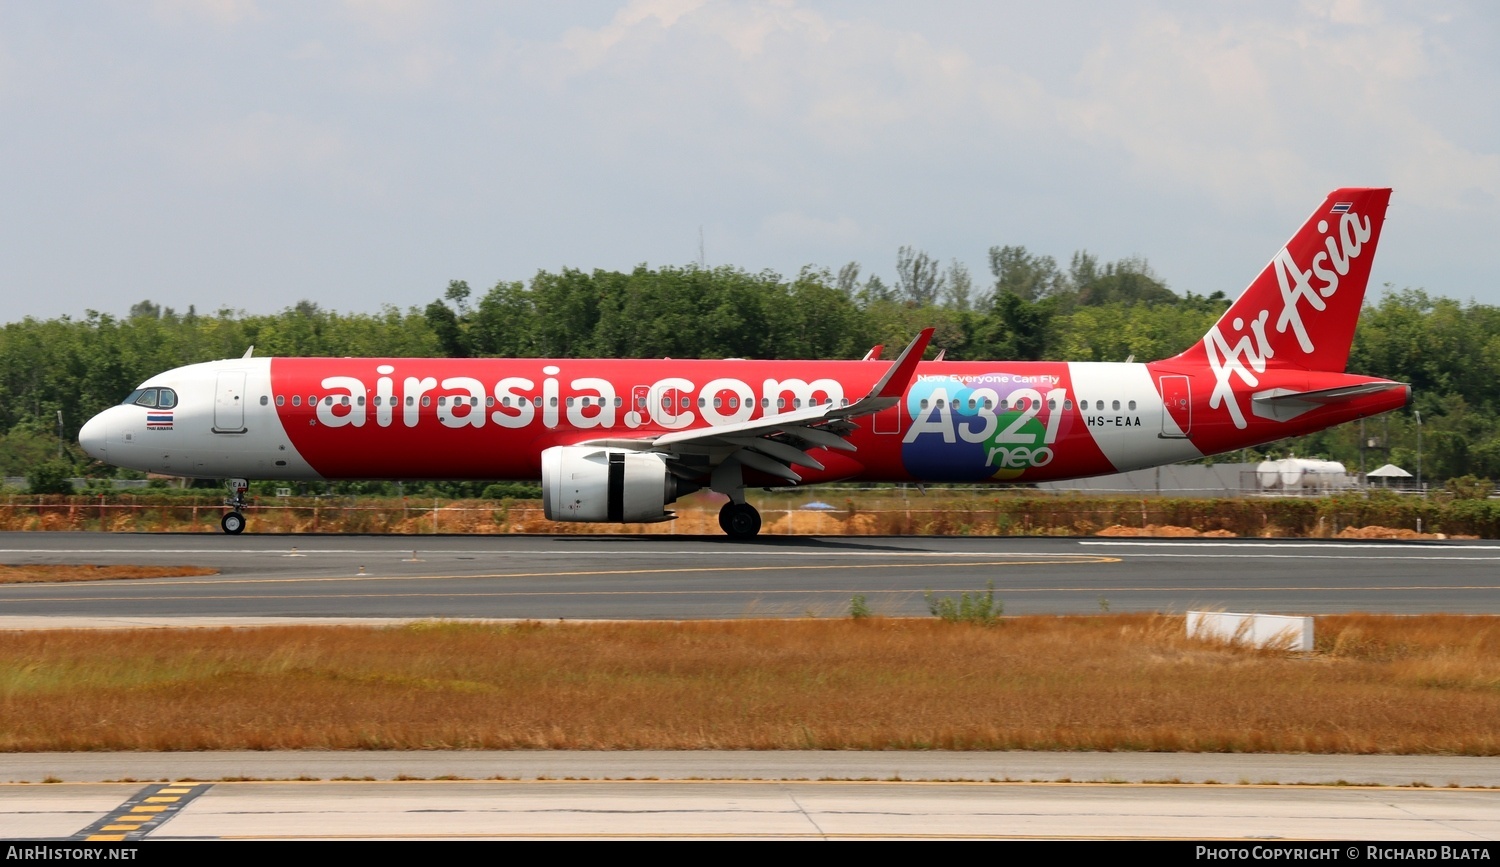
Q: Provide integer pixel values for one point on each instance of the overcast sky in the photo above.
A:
(249, 154)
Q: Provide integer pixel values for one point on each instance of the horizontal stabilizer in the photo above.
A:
(1281, 404)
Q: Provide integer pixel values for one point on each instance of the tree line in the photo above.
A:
(56, 373)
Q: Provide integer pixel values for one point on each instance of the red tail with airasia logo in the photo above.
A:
(619, 440)
(1280, 351)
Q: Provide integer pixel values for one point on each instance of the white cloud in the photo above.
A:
(221, 13)
(259, 146)
(496, 139)
(801, 229)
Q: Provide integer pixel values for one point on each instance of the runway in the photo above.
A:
(645, 577)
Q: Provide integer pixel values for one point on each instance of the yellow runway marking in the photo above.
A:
(142, 813)
(1053, 560)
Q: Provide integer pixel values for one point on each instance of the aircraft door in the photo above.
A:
(229, 402)
(1176, 407)
(640, 405)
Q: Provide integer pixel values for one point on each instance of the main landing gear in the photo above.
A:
(739, 520)
(234, 520)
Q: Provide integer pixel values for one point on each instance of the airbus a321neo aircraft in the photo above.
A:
(619, 440)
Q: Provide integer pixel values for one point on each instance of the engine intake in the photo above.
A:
(585, 483)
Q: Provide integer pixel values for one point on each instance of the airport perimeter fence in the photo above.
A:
(1341, 515)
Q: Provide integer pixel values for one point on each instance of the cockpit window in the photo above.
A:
(165, 398)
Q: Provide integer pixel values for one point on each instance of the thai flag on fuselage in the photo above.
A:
(160, 419)
(1342, 207)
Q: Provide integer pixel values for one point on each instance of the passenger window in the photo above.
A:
(361, 400)
(1132, 404)
(1067, 404)
(489, 401)
(1052, 403)
(427, 400)
(443, 400)
(281, 400)
(296, 400)
(411, 401)
(1115, 405)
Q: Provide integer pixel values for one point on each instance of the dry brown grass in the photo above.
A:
(1426, 684)
(54, 574)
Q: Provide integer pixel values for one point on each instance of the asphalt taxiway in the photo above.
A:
(1263, 819)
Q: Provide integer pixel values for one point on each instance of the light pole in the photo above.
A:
(1418, 417)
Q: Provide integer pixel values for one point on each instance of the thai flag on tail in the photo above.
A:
(1342, 207)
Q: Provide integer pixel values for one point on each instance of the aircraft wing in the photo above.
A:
(775, 444)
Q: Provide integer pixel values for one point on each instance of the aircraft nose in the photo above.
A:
(94, 437)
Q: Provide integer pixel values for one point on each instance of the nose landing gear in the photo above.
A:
(234, 520)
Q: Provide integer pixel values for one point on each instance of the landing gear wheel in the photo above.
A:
(234, 520)
(739, 520)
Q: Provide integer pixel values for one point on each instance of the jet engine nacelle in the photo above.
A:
(586, 483)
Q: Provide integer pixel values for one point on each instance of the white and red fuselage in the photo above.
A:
(1272, 367)
(422, 418)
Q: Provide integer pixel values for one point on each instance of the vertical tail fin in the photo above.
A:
(1301, 311)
